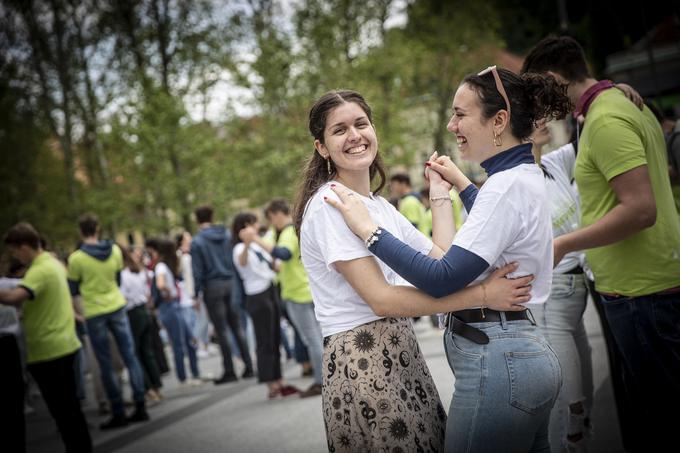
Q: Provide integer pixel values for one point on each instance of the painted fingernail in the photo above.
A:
(332, 185)
(325, 198)
(427, 164)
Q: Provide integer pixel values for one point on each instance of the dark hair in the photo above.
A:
(277, 205)
(204, 214)
(559, 54)
(532, 97)
(151, 243)
(315, 173)
(168, 255)
(128, 261)
(242, 220)
(88, 224)
(402, 178)
(23, 233)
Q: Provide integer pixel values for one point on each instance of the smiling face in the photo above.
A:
(474, 133)
(349, 139)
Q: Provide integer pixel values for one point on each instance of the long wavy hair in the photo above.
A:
(315, 173)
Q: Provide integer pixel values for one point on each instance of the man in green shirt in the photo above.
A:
(49, 326)
(630, 231)
(94, 275)
(409, 204)
(294, 285)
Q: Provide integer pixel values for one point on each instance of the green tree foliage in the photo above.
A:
(109, 101)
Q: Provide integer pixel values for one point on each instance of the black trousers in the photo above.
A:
(12, 385)
(57, 382)
(217, 299)
(626, 405)
(140, 324)
(263, 309)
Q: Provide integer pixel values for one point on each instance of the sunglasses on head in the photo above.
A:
(499, 85)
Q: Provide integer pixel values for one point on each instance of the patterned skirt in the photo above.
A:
(378, 395)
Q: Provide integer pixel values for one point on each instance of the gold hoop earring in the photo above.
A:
(328, 165)
(497, 139)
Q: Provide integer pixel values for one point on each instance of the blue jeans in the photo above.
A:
(117, 323)
(561, 319)
(504, 390)
(181, 338)
(647, 332)
(309, 330)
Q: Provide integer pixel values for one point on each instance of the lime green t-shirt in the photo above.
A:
(617, 137)
(411, 208)
(48, 319)
(292, 277)
(427, 223)
(97, 278)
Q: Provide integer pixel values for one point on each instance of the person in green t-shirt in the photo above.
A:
(409, 204)
(49, 326)
(94, 275)
(630, 231)
(294, 285)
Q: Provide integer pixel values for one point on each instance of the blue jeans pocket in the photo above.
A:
(563, 286)
(534, 379)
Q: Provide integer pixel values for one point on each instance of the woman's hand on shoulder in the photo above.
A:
(504, 294)
(353, 211)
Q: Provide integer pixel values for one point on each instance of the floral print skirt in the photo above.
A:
(378, 395)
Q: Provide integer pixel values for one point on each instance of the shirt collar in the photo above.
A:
(510, 158)
(589, 96)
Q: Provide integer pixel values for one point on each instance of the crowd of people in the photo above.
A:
(108, 308)
(506, 268)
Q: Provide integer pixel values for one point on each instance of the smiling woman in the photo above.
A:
(378, 394)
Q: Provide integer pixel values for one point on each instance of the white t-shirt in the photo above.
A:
(135, 287)
(564, 202)
(163, 269)
(326, 239)
(186, 285)
(510, 221)
(257, 275)
(9, 319)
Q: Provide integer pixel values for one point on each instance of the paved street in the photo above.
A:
(238, 418)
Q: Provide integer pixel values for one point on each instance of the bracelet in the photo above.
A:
(443, 197)
(485, 301)
(373, 238)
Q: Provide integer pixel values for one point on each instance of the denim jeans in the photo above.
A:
(647, 331)
(561, 319)
(181, 338)
(504, 390)
(117, 323)
(302, 316)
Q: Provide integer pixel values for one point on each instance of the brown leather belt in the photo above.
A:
(458, 322)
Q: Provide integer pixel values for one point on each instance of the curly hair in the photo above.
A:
(532, 97)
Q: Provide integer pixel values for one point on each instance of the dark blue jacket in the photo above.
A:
(211, 256)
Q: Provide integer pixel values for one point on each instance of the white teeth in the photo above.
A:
(461, 140)
(356, 149)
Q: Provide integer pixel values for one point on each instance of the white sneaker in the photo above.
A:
(202, 354)
(193, 382)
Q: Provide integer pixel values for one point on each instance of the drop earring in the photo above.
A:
(497, 139)
(328, 165)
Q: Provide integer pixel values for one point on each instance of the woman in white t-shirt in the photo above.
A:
(378, 394)
(134, 284)
(507, 376)
(256, 268)
(166, 274)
